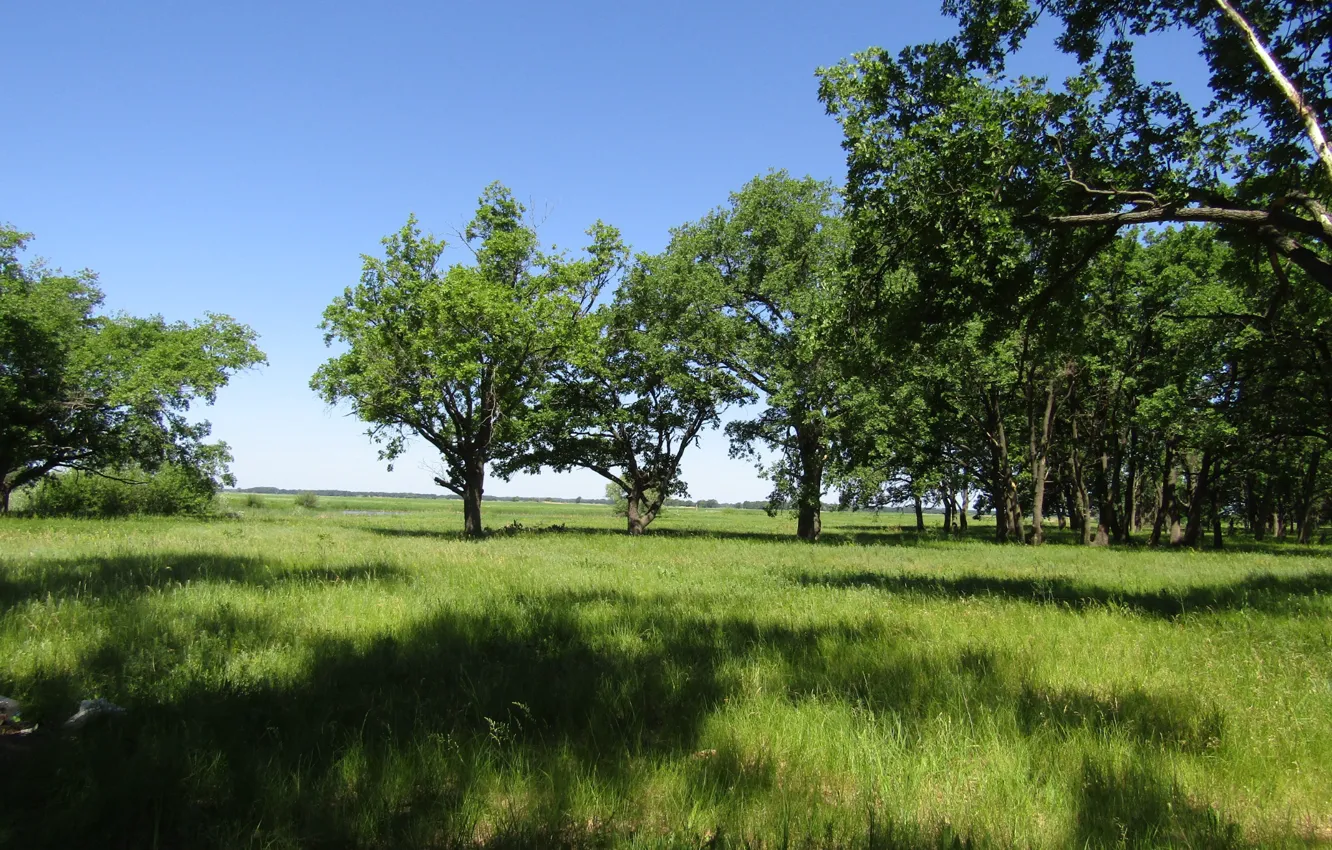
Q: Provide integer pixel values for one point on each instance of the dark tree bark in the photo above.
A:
(1252, 508)
(1040, 452)
(473, 491)
(1308, 518)
(1003, 490)
(1165, 505)
(638, 513)
(1272, 226)
(1130, 483)
(809, 522)
(1081, 507)
(920, 514)
(1198, 501)
(1107, 526)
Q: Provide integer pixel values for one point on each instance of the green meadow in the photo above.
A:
(297, 677)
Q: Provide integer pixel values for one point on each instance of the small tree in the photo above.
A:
(455, 356)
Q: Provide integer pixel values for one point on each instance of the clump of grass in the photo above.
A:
(253, 500)
(306, 500)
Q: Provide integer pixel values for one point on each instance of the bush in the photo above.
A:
(307, 500)
(253, 500)
(170, 491)
(619, 500)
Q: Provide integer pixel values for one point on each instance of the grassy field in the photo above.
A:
(313, 678)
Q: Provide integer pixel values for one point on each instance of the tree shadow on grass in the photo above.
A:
(1135, 806)
(849, 535)
(131, 575)
(1264, 592)
(832, 537)
(397, 740)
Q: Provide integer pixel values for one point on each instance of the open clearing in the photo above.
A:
(311, 678)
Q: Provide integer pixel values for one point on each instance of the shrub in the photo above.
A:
(619, 500)
(307, 500)
(171, 490)
(253, 500)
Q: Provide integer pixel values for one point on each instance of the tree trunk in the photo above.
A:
(473, 489)
(1040, 452)
(638, 518)
(1038, 503)
(809, 494)
(965, 507)
(1107, 523)
(1007, 511)
(4, 499)
(1130, 494)
(1217, 540)
(1198, 500)
(920, 514)
(1071, 506)
(1081, 508)
(1251, 506)
(1165, 505)
(1309, 515)
(1266, 511)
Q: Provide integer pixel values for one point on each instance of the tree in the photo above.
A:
(455, 356)
(91, 392)
(634, 393)
(772, 258)
(1107, 150)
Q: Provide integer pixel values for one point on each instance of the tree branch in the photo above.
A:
(1302, 107)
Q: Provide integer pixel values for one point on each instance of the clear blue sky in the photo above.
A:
(239, 157)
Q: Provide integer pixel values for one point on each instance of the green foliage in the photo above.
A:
(1015, 183)
(253, 500)
(767, 266)
(1006, 321)
(455, 356)
(170, 490)
(306, 500)
(82, 390)
(634, 391)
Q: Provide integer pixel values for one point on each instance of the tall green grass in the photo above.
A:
(309, 678)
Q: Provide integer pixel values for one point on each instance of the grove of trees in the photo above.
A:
(1090, 301)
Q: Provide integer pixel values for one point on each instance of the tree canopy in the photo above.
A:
(455, 356)
(83, 390)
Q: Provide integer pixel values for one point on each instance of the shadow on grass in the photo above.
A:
(853, 535)
(1134, 806)
(476, 728)
(126, 576)
(882, 536)
(1267, 593)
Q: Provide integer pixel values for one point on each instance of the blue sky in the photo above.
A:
(239, 157)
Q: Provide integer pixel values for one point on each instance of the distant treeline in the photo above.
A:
(674, 503)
